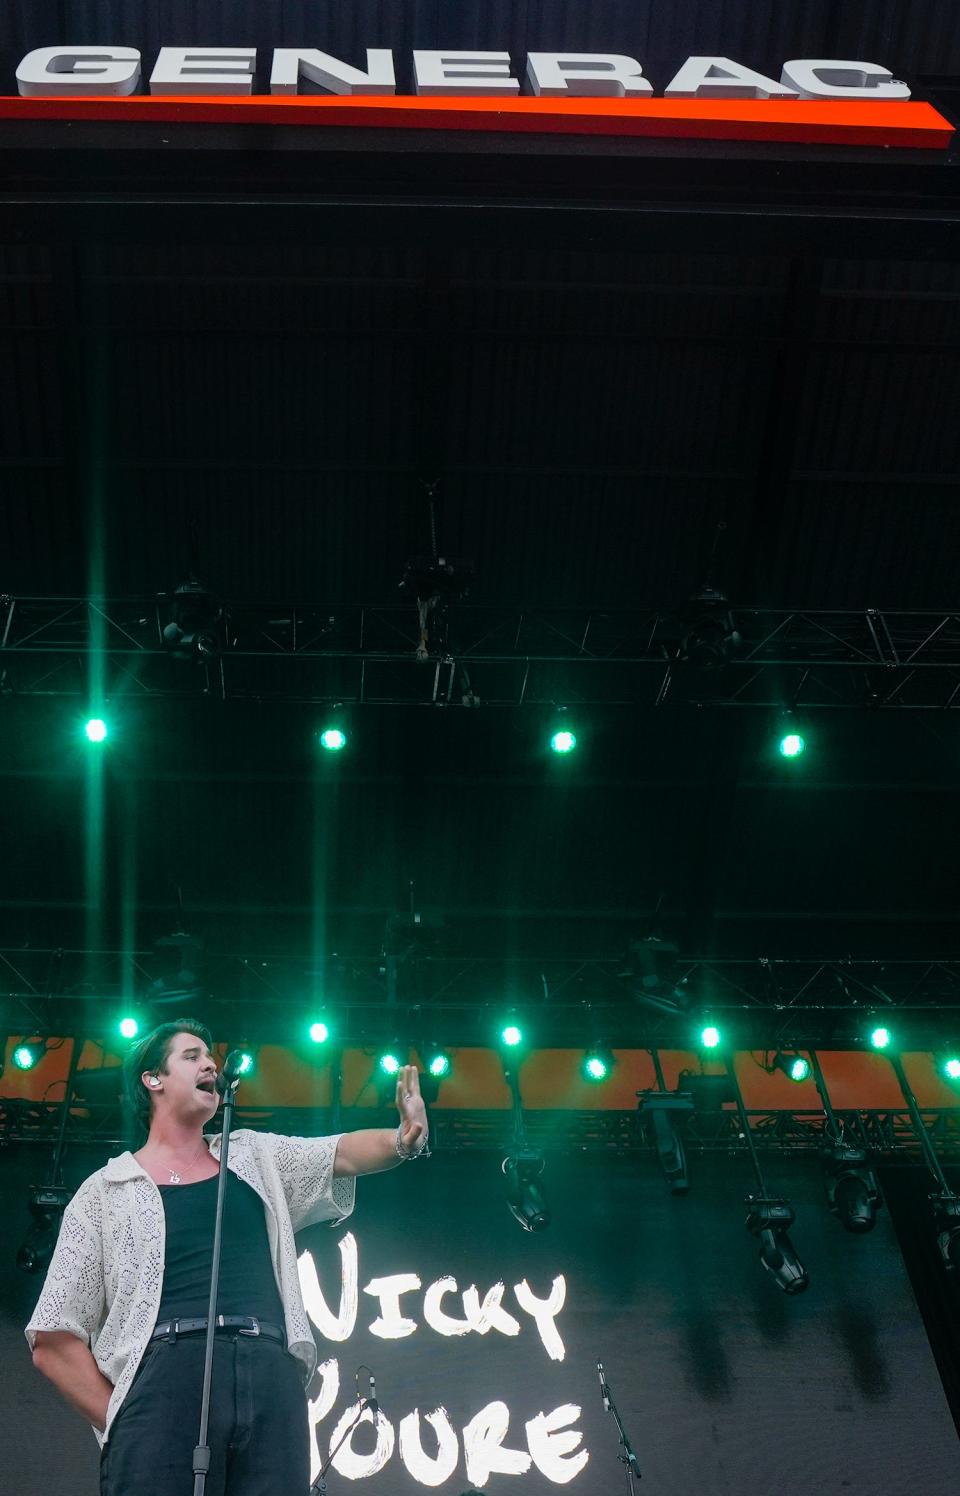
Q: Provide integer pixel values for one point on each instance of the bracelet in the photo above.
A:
(405, 1155)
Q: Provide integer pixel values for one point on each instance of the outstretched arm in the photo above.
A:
(370, 1150)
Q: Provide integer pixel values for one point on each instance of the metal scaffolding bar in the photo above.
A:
(761, 1002)
(367, 654)
(890, 1135)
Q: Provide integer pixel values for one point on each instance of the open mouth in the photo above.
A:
(206, 1085)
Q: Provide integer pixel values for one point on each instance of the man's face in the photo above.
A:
(187, 1088)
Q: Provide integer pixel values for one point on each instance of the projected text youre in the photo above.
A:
(550, 1441)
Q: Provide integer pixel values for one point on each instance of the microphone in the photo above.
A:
(604, 1389)
(229, 1077)
(372, 1403)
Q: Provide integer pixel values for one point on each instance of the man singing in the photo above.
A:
(119, 1326)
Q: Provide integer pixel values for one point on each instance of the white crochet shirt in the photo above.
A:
(105, 1279)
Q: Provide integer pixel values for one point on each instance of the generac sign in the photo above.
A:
(816, 100)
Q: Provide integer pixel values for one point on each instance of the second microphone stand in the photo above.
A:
(319, 1486)
(626, 1456)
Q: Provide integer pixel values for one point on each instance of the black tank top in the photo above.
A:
(247, 1282)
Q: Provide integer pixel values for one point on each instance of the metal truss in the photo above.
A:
(491, 656)
(888, 1135)
(762, 1002)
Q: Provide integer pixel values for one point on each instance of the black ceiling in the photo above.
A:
(600, 416)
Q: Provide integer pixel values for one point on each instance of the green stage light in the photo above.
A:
(792, 745)
(564, 741)
(710, 1036)
(880, 1038)
(389, 1062)
(439, 1065)
(319, 1032)
(27, 1054)
(129, 1027)
(951, 1067)
(511, 1035)
(247, 1063)
(333, 739)
(597, 1065)
(96, 730)
(794, 1066)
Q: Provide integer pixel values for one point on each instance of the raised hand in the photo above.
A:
(413, 1113)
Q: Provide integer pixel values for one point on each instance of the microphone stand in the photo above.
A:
(227, 1084)
(628, 1457)
(319, 1486)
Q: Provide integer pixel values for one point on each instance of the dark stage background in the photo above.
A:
(724, 1384)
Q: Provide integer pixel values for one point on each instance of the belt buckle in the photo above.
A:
(254, 1330)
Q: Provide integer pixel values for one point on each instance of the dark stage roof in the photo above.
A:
(627, 372)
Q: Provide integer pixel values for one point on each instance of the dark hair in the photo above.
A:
(151, 1054)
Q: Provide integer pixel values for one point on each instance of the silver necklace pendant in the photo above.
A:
(174, 1177)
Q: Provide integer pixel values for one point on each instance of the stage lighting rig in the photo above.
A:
(96, 730)
(46, 1203)
(437, 1067)
(335, 729)
(794, 1066)
(852, 1190)
(853, 1194)
(390, 1058)
(526, 1200)
(178, 963)
(710, 636)
(436, 582)
(946, 1215)
(28, 1053)
(948, 1063)
(946, 1204)
(598, 1063)
(769, 1217)
(563, 738)
(411, 936)
(438, 577)
(663, 1114)
(437, 1061)
(523, 1166)
(769, 1220)
(196, 624)
(645, 966)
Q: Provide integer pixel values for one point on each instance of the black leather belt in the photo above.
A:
(242, 1324)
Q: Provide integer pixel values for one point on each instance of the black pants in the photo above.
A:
(258, 1422)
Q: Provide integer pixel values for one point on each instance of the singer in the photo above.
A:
(119, 1326)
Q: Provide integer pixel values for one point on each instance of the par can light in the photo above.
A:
(28, 1053)
(794, 1066)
